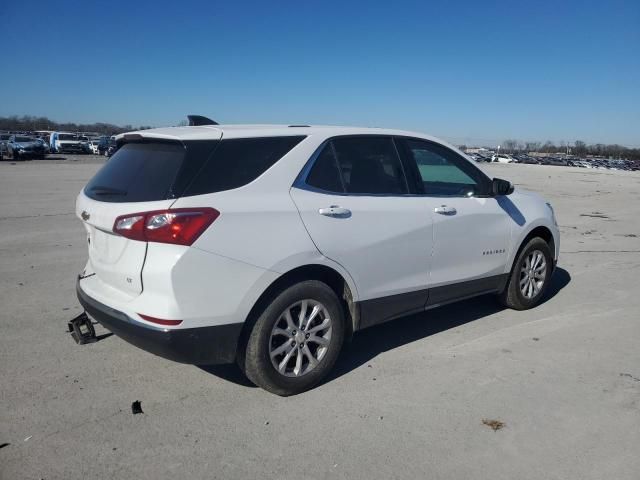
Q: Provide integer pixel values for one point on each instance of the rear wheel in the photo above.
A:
(296, 340)
(530, 276)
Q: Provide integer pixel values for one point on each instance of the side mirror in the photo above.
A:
(501, 187)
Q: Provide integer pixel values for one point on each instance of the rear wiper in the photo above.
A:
(98, 190)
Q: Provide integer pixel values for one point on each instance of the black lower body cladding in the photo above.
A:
(198, 346)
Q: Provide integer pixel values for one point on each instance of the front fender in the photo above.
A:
(536, 214)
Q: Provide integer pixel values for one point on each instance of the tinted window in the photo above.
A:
(138, 172)
(369, 165)
(325, 174)
(237, 162)
(443, 172)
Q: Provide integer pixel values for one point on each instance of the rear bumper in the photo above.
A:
(199, 346)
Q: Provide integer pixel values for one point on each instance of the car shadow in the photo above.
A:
(369, 343)
(230, 373)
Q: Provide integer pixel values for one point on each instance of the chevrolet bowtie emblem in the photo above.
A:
(85, 216)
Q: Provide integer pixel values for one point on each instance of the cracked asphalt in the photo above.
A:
(465, 391)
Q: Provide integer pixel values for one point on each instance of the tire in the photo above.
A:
(529, 281)
(286, 349)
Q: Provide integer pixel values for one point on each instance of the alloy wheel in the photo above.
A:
(533, 274)
(300, 338)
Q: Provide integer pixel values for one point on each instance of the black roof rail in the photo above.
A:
(197, 120)
(295, 126)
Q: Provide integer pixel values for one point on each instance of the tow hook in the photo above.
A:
(82, 330)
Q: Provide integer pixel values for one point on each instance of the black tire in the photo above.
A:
(512, 296)
(256, 361)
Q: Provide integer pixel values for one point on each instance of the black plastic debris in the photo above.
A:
(82, 329)
(2, 445)
(136, 407)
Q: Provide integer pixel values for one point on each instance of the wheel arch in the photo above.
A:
(541, 231)
(331, 277)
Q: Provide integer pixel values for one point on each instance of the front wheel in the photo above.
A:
(530, 276)
(296, 340)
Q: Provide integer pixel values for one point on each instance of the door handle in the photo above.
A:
(444, 210)
(335, 211)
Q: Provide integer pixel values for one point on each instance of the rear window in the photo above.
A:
(236, 162)
(138, 172)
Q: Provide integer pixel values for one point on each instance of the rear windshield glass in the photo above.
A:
(138, 172)
(237, 162)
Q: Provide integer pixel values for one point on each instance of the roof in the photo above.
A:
(213, 132)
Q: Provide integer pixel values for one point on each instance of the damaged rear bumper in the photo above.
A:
(199, 346)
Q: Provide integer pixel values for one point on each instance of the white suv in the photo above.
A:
(272, 245)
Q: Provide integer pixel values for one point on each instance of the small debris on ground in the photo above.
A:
(628, 375)
(28, 438)
(266, 423)
(136, 407)
(495, 425)
(535, 339)
(2, 445)
(381, 418)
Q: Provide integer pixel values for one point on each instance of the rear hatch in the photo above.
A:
(141, 177)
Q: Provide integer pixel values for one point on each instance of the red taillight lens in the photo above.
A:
(160, 321)
(181, 226)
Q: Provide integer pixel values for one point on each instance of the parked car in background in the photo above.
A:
(527, 159)
(94, 144)
(502, 158)
(103, 144)
(356, 227)
(45, 145)
(112, 146)
(65, 142)
(21, 147)
(4, 138)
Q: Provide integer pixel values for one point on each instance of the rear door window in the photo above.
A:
(237, 162)
(138, 172)
(370, 165)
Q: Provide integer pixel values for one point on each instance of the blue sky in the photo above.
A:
(469, 71)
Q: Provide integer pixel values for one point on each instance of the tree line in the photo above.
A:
(578, 148)
(29, 123)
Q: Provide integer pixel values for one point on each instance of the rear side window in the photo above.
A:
(325, 174)
(359, 165)
(138, 172)
(237, 162)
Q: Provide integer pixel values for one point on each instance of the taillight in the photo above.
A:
(181, 226)
(160, 321)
